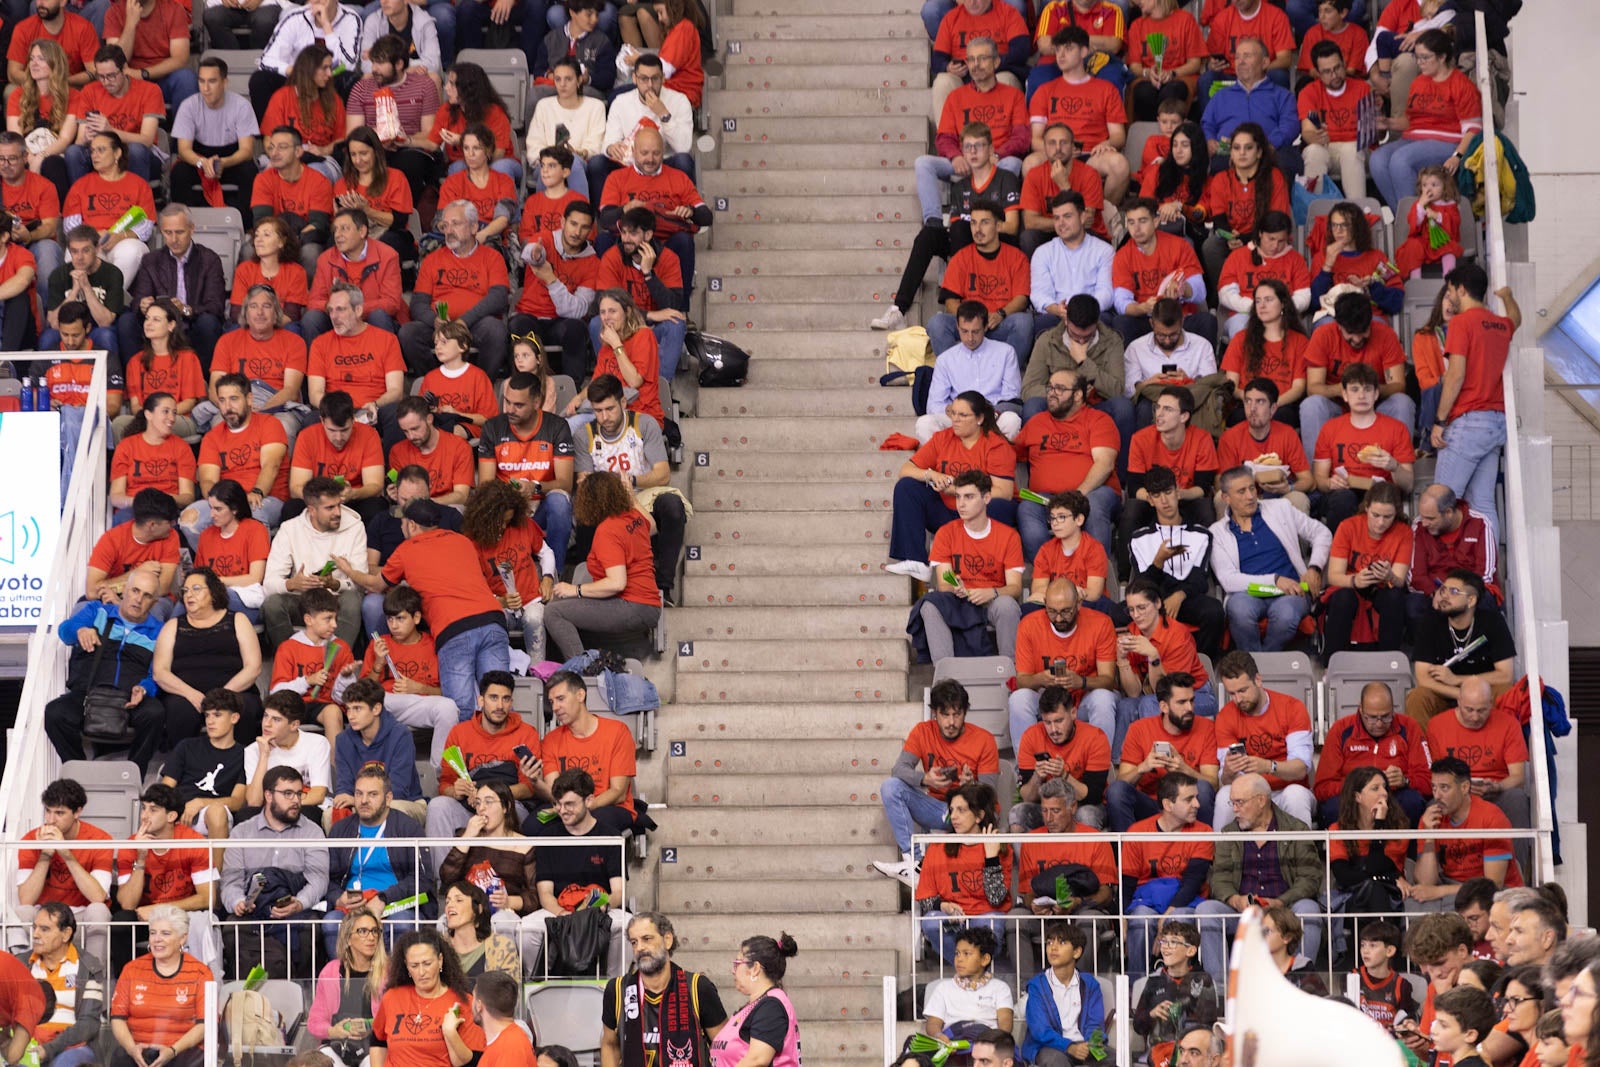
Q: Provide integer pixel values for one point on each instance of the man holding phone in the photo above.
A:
(1264, 732)
(1060, 748)
(1174, 740)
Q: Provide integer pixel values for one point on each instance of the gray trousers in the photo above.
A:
(1003, 612)
(611, 615)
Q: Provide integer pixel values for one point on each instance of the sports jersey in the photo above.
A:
(448, 465)
(159, 1009)
(580, 271)
(289, 283)
(1197, 745)
(310, 192)
(59, 885)
(945, 453)
(32, 199)
(1348, 746)
(1087, 561)
(418, 661)
(315, 453)
(461, 281)
(148, 466)
(1269, 25)
(1095, 855)
(973, 748)
(170, 874)
(469, 392)
(239, 352)
(128, 111)
(636, 449)
(1443, 111)
(1283, 361)
(643, 352)
(1001, 186)
(77, 39)
(407, 1026)
(981, 562)
(528, 459)
(1483, 339)
(662, 192)
(1103, 19)
(511, 1049)
(298, 657)
(1386, 999)
(1093, 641)
(1002, 109)
(443, 567)
(616, 273)
(1266, 733)
(517, 551)
(1195, 455)
(1352, 42)
(1000, 23)
(1144, 860)
(1087, 751)
(232, 557)
(542, 213)
(1341, 443)
(1059, 452)
(153, 37)
(1340, 111)
(1235, 200)
(1247, 268)
(1236, 447)
(624, 541)
(358, 364)
(498, 187)
(991, 279)
(177, 373)
(68, 380)
(69, 981)
(1328, 349)
(1090, 107)
(237, 453)
(320, 128)
(605, 754)
(1462, 858)
(1182, 33)
(958, 879)
(1142, 274)
(1039, 188)
(1175, 645)
(480, 748)
(498, 121)
(1490, 750)
(117, 551)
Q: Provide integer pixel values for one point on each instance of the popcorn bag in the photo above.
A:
(388, 116)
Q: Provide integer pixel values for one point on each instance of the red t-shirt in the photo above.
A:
(1462, 858)
(615, 273)
(418, 661)
(1352, 42)
(991, 280)
(315, 453)
(407, 1027)
(1142, 274)
(1178, 652)
(460, 186)
(605, 754)
(232, 557)
(1489, 751)
(102, 202)
(1196, 455)
(1328, 349)
(981, 563)
(945, 453)
(479, 747)
(128, 111)
(1183, 40)
(77, 38)
(497, 120)
(624, 541)
(260, 361)
(32, 199)
(1339, 111)
(1266, 733)
(1197, 746)
(469, 392)
(296, 658)
(152, 39)
(310, 192)
(973, 748)
(662, 192)
(518, 549)
(59, 886)
(1236, 447)
(1000, 24)
(1002, 109)
(237, 453)
(357, 364)
(177, 373)
(320, 129)
(1269, 25)
(958, 879)
(1283, 361)
(1086, 751)
(542, 213)
(462, 281)
(1088, 561)
(1247, 268)
(289, 283)
(644, 353)
(681, 49)
(1059, 452)
(1093, 641)
(148, 466)
(1039, 188)
(1443, 111)
(443, 567)
(1226, 195)
(1096, 855)
(159, 1009)
(1341, 444)
(170, 874)
(1483, 339)
(449, 464)
(1353, 543)
(117, 551)
(1090, 107)
(396, 195)
(1145, 860)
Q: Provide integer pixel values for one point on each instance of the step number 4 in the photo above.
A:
(685, 648)
(669, 854)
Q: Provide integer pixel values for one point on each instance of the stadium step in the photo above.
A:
(850, 26)
(783, 496)
(911, 131)
(737, 294)
(812, 236)
(852, 209)
(832, 339)
(860, 685)
(892, 160)
(773, 8)
(796, 375)
(887, 50)
(724, 528)
(790, 317)
(839, 75)
(787, 559)
(808, 968)
(759, 624)
(735, 267)
(756, 722)
(814, 466)
(710, 758)
(785, 895)
(795, 590)
(889, 406)
(742, 654)
(746, 433)
(786, 825)
(843, 181)
(829, 102)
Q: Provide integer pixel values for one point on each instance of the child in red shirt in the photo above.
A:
(315, 663)
(1433, 225)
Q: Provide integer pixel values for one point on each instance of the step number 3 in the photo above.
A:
(669, 854)
(680, 748)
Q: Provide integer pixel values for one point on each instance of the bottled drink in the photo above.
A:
(25, 398)
(41, 395)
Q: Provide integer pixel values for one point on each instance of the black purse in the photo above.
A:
(105, 707)
(575, 944)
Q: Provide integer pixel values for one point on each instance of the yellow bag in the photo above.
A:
(907, 351)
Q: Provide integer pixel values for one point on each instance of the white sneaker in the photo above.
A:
(910, 568)
(904, 871)
(893, 319)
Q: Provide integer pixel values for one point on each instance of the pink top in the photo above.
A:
(325, 1001)
(728, 1048)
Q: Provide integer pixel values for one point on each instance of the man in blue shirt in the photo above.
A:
(977, 363)
(1075, 262)
(1258, 543)
(389, 875)
(1253, 97)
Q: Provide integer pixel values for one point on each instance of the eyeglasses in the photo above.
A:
(1572, 995)
(1513, 1003)
(1059, 388)
(1454, 590)
(366, 931)
(286, 793)
(740, 962)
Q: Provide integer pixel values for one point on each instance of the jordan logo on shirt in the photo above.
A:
(208, 784)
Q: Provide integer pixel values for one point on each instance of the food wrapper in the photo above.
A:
(387, 119)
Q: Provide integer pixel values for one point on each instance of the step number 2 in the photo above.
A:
(669, 854)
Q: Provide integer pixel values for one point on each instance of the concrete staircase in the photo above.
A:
(791, 662)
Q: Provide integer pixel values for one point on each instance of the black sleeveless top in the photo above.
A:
(207, 657)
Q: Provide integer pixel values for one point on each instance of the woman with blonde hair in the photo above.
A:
(348, 990)
(44, 111)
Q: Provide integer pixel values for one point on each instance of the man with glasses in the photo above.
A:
(568, 877)
(668, 110)
(1458, 640)
(1258, 871)
(984, 99)
(1085, 345)
(1449, 534)
(1066, 662)
(35, 208)
(367, 875)
(272, 886)
(1069, 446)
(1169, 355)
(1373, 737)
(1330, 109)
(114, 103)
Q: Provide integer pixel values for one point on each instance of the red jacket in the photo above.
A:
(1472, 546)
(1348, 746)
(378, 276)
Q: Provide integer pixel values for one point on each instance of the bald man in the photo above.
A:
(1490, 743)
(1374, 737)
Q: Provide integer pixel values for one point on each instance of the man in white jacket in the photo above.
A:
(323, 22)
(304, 546)
(1258, 543)
(666, 109)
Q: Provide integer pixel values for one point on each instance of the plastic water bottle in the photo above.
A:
(41, 396)
(25, 398)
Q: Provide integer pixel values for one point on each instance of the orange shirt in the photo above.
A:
(148, 466)
(260, 361)
(1144, 860)
(315, 453)
(77, 39)
(1462, 858)
(407, 1027)
(321, 128)
(1483, 339)
(1247, 268)
(1340, 111)
(171, 874)
(358, 364)
(448, 465)
(1039, 188)
(945, 453)
(296, 658)
(232, 557)
(1341, 443)
(662, 192)
(1443, 111)
(645, 355)
(469, 392)
(1142, 274)
(46, 106)
(613, 273)
(1489, 751)
(1178, 653)
(396, 195)
(32, 199)
(542, 213)
(1000, 23)
(1265, 733)
(517, 549)
(958, 879)
(980, 562)
(479, 747)
(310, 192)
(177, 373)
(1197, 746)
(579, 272)
(1353, 543)
(1328, 349)
(1093, 641)
(1183, 40)
(1269, 25)
(461, 281)
(1236, 446)
(159, 1009)
(1352, 42)
(681, 50)
(1060, 452)
(1087, 561)
(1196, 455)
(605, 754)
(418, 661)
(973, 748)
(1283, 361)
(153, 37)
(1002, 109)
(59, 885)
(1227, 195)
(497, 120)
(1096, 855)
(127, 112)
(443, 567)
(1090, 107)
(102, 202)
(992, 280)
(624, 541)
(117, 551)
(511, 1049)
(1086, 751)
(289, 283)
(460, 186)
(237, 453)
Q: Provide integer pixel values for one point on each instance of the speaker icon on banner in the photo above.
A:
(18, 539)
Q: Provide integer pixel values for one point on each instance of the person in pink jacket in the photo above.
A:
(347, 990)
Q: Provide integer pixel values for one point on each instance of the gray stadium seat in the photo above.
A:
(507, 69)
(428, 777)
(113, 787)
(566, 389)
(1290, 672)
(242, 62)
(1138, 134)
(985, 678)
(568, 1013)
(1211, 673)
(221, 230)
(1420, 295)
(1348, 672)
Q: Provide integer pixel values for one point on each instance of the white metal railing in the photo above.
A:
(31, 761)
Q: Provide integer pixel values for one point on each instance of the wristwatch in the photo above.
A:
(1274, 769)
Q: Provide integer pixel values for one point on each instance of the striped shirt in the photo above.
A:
(69, 987)
(415, 97)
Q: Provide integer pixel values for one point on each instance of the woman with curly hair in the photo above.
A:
(45, 112)
(624, 599)
(309, 103)
(1271, 345)
(470, 98)
(426, 988)
(519, 566)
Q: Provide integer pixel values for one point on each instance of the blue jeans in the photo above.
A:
(554, 516)
(934, 172)
(934, 11)
(1105, 504)
(95, 12)
(506, 165)
(1303, 15)
(1394, 166)
(372, 617)
(556, 17)
(941, 931)
(1131, 709)
(1014, 330)
(1426, 410)
(1469, 462)
(1283, 615)
(1142, 922)
(1125, 805)
(141, 161)
(472, 21)
(669, 343)
(1315, 410)
(1217, 923)
(468, 656)
(77, 1056)
(444, 18)
(48, 255)
(919, 511)
(179, 86)
(910, 809)
(1098, 708)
